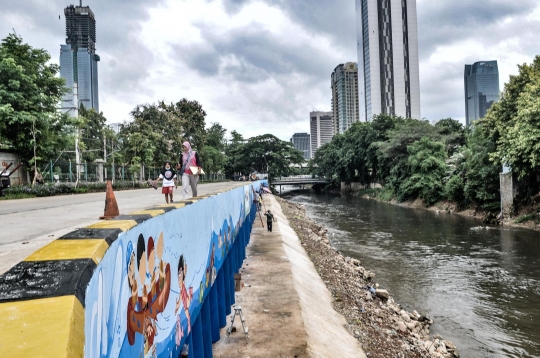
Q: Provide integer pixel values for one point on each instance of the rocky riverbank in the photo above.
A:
(379, 323)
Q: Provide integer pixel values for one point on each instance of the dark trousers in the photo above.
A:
(269, 225)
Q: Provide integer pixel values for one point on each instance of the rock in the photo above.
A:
(404, 315)
(402, 327)
(368, 296)
(356, 334)
(442, 349)
(411, 325)
(449, 345)
(437, 336)
(355, 262)
(382, 293)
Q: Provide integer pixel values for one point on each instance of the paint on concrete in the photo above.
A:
(149, 289)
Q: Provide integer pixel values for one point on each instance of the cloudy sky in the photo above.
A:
(261, 66)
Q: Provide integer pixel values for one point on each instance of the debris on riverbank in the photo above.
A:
(380, 324)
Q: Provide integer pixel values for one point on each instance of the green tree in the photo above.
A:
(513, 122)
(474, 179)
(393, 153)
(427, 167)
(213, 151)
(267, 153)
(92, 130)
(454, 134)
(215, 136)
(29, 95)
(188, 117)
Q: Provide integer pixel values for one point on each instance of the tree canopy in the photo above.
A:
(29, 95)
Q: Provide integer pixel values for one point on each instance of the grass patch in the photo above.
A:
(386, 194)
(524, 218)
(17, 196)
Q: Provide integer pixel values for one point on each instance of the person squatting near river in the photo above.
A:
(190, 158)
(169, 177)
(269, 219)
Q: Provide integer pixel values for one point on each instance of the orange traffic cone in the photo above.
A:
(111, 207)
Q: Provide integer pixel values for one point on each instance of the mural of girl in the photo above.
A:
(184, 297)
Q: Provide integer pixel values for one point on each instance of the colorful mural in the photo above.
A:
(146, 293)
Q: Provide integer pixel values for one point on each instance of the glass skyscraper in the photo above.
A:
(78, 58)
(344, 83)
(387, 48)
(301, 141)
(481, 89)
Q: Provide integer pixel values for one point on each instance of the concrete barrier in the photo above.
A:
(142, 285)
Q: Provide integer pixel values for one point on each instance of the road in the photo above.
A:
(29, 224)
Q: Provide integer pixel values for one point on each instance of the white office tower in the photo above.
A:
(321, 129)
(387, 44)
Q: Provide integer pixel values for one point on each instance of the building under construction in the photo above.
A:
(78, 58)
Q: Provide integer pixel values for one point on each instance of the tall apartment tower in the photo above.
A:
(387, 45)
(78, 58)
(481, 89)
(322, 129)
(301, 141)
(344, 83)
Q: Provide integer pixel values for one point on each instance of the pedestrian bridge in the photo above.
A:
(299, 180)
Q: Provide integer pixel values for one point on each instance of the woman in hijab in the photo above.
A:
(190, 160)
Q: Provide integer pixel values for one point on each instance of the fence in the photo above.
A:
(66, 172)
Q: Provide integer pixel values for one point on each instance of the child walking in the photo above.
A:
(169, 177)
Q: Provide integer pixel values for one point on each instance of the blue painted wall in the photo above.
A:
(169, 280)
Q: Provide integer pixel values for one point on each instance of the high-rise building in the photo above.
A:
(481, 89)
(387, 45)
(344, 83)
(78, 58)
(301, 141)
(322, 129)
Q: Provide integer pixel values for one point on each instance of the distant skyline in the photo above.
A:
(249, 70)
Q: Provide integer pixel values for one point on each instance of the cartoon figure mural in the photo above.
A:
(134, 308)
(142, 311)
(186, 296)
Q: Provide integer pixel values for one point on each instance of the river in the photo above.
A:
(480, 286)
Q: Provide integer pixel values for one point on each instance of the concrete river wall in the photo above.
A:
(145, 284)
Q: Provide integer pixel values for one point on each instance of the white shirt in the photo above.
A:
(167, 182)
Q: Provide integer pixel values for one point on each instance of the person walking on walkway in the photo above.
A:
(269, 219)
(190, 161)
(169, 177)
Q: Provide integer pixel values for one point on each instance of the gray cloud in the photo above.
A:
(252, 60)
(449, 21)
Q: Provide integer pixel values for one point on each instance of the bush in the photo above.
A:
(25, 191)
(454, 189)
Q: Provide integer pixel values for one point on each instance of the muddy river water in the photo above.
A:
(480, 286)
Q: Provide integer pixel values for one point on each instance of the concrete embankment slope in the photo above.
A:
(285, 302)
(144, 284)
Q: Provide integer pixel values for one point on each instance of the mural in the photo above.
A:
(145, 294)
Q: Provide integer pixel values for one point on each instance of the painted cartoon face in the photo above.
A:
(131, 270)
(182, 268)
(180, 277)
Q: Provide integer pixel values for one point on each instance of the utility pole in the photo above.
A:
(76, 115)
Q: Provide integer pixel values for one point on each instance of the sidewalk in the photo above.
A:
(286, 305)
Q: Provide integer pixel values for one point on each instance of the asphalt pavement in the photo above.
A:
(29, 224)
